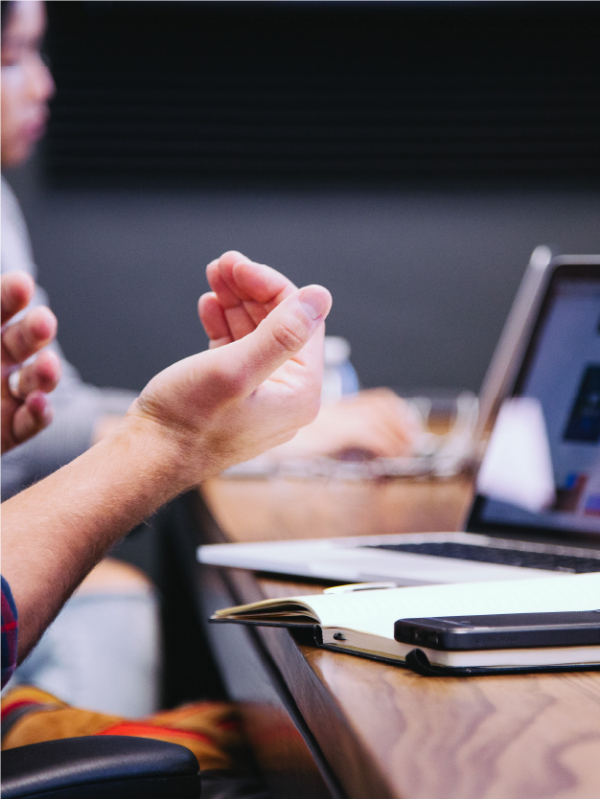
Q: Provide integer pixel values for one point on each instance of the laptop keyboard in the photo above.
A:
(507, 557)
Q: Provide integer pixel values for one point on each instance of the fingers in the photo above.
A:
(258, 282)
(25, 407)
(247, 291)
(230, 404)
(239, 322)
(41, 375)
(216, 279)
(213, 319)
(235, 278)
(24, 338)
(265, 287)
(16, 290)
(286, 332)
(33, 416)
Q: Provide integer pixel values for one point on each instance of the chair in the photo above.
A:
(100, 767)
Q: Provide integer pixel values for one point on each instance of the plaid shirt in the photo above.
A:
(9, 633)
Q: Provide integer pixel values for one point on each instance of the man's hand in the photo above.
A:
(375, 423)
(191, 421)
(243, 294)
(25, 407)
(257, 385)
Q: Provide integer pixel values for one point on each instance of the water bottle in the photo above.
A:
(339, 376)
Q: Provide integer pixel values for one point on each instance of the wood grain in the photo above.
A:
(292, 768)
(494, 737)
(524, 736)
(262, 510)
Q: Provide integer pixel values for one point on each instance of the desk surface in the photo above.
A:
(388, 733)
(262, 510)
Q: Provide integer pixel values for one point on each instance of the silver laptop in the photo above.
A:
(551, 358)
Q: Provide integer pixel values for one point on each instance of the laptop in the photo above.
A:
(550, 359)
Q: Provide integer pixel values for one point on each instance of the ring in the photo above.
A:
(14, 385)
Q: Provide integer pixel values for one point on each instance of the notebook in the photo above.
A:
(362, 622)
(537, 508)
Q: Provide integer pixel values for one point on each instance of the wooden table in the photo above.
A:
(326, 724)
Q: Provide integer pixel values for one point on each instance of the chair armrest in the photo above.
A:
(94, 767)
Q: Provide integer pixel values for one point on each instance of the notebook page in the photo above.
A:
(376, 611)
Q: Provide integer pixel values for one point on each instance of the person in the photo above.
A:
(76, 658)
(247, 392)
(251, 390)
(81, 411)
(117, 607)
(254, 387)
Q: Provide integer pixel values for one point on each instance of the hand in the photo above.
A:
(25, 409)
(374, 423)
(243, 294)
(257, 385)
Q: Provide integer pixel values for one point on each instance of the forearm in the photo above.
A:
(54, 532)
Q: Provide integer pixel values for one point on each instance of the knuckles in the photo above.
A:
(290, 334)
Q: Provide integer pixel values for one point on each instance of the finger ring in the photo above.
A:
(14, 385)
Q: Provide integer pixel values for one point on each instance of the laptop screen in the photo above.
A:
(561, 371)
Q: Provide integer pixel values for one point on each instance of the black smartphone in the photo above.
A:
(503, 631)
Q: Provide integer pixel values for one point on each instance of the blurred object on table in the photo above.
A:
(517, 467)
(339, 376)
(350, 440)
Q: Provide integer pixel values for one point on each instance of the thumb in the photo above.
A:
(283, 333)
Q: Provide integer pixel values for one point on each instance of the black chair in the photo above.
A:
(100, 767)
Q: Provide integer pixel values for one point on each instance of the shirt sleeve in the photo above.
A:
(9, 633)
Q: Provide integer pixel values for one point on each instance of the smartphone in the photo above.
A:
(502, 631)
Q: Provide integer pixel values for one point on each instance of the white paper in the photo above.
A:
(517, 466)
(376, 611)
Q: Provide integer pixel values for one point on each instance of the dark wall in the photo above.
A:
(423, 263)
(422, 280)
(313, 91)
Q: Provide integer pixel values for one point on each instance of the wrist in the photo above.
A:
(173, 459)
(158, 455)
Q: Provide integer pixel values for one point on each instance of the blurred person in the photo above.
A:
(77, 658)
(81, 411)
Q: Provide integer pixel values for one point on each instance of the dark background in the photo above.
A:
(407, 155)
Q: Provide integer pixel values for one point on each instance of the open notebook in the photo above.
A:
(362, 622)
